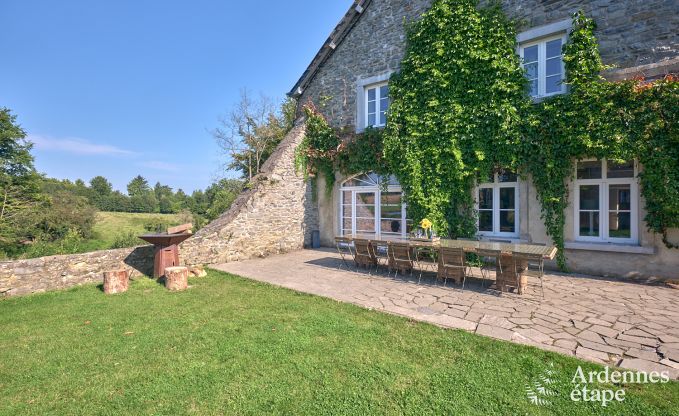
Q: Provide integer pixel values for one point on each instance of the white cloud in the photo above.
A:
(158, 165)
(77, 146)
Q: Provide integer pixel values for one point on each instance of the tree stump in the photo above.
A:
(176, 278)
(116, 281)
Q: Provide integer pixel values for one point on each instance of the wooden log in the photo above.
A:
(180, 229)
(176, 278)
(116, 281)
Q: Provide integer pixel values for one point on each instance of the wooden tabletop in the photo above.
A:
(547, 252)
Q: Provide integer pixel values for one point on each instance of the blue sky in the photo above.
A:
(126, 87)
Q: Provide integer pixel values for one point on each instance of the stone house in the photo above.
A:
(605, 231)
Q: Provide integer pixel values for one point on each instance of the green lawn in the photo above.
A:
(233, 346)
(110, 225)
(111, 230)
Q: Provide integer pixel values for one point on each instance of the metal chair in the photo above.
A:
(491, 261)
(345, 249)
(364, 254)
(400, 258)
(452, 263)
(534, 266)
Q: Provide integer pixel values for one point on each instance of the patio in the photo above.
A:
(606, 321)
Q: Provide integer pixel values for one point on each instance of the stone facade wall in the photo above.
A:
(276, 215)
(22, 277)
(375, 45)
(630, 33)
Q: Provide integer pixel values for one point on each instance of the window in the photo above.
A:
(373, 205)
(543, 63)
(376, 105)
(606, 201)
(498, 205)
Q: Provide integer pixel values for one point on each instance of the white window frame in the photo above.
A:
(542, 63)
(362, 83)
(496, 185)
(377, 190)
(604, 201)
(378, 104)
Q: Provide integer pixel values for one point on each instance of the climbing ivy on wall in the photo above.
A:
(456, 110)
(325, 150)
(616, 120)
(460, 111)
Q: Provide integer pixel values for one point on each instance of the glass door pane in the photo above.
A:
(391, 211)
(486, 209)
(508, 210)
(589, 210)
(347, 213)
(620, 211)
(364, 214)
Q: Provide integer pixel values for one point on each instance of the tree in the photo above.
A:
(142, 197)
(138, 186)
(100, 191)
(101, 186)
(165, 198)
(20, 196)
(68, 212)
(250, 132)
(220, 195)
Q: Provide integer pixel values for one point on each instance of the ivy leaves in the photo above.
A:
(455, 111)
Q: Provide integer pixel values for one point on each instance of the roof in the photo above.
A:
(336, 37)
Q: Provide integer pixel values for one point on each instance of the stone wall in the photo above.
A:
(374, 46)
(21, 277)
(630, 33)
(275, 215)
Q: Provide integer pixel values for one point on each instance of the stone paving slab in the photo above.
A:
(610, 322)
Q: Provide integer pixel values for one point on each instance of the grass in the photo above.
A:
(111, 230)
(234, 346)
(111, 225)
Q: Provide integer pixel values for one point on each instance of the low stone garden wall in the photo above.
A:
(276, 214)
(22, 277)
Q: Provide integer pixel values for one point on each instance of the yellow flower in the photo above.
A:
(426, 224)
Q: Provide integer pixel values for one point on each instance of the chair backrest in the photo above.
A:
(363, 247)
(399, 251)
(449, 256)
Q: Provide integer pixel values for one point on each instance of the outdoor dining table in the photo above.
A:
(471, 246)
